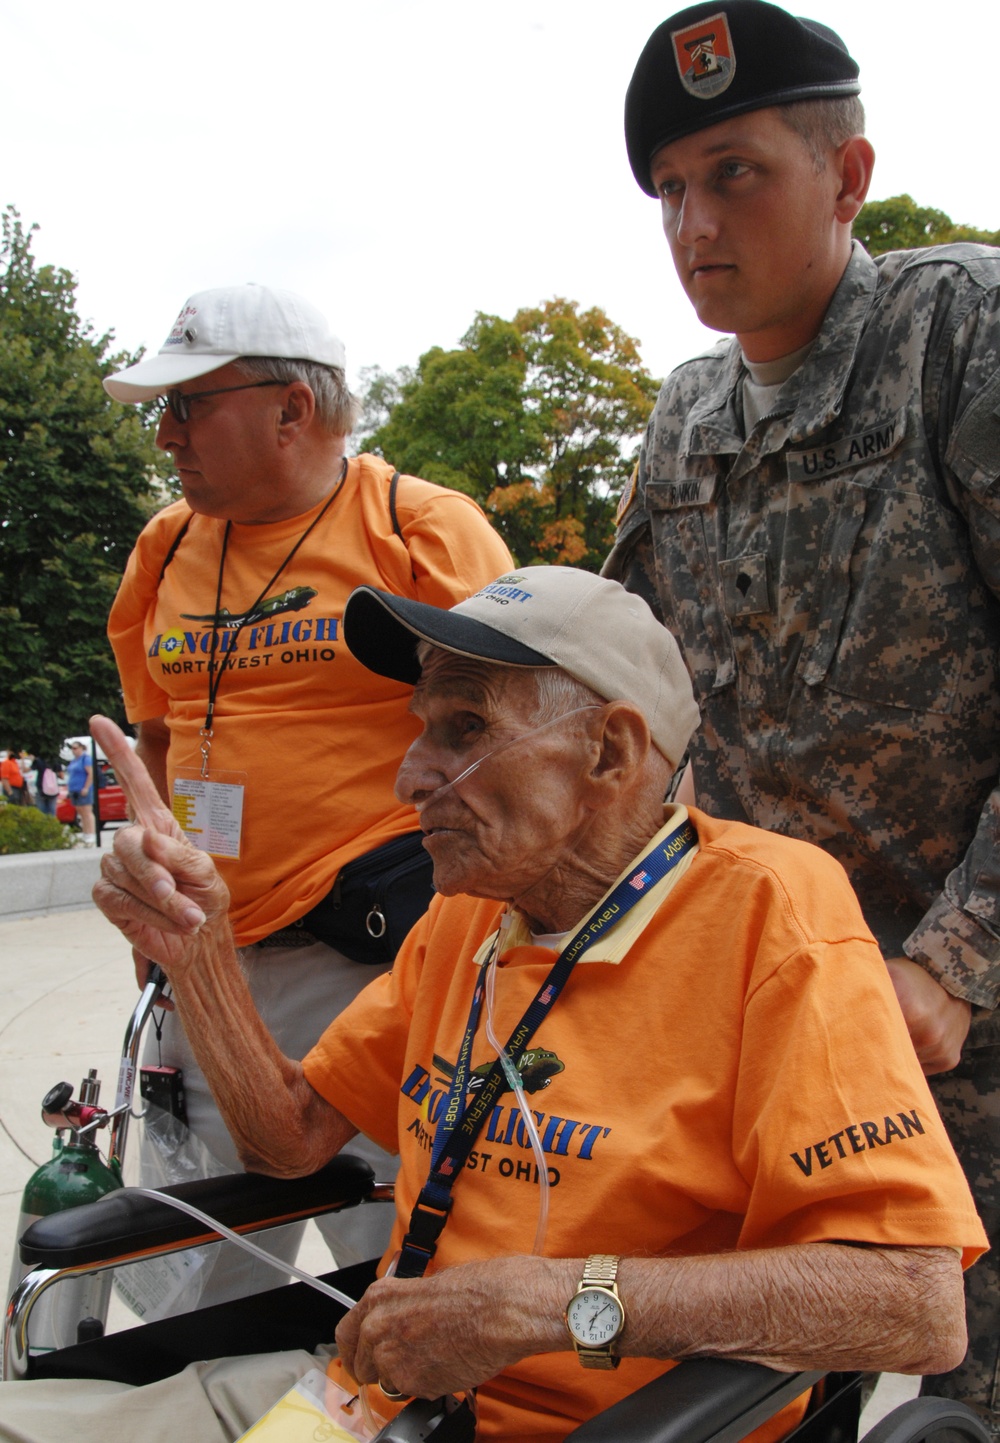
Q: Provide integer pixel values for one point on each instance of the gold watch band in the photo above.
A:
(601, 1268)
(600, 1271)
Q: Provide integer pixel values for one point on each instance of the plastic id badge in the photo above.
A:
(209, 810)
(316, 1410)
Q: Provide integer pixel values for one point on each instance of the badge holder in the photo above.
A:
(208, 808)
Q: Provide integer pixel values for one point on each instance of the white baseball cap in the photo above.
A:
(591, 627)
(216, 327)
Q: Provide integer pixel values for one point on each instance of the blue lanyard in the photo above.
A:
(458, 1127)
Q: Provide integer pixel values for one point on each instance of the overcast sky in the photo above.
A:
(405, 163)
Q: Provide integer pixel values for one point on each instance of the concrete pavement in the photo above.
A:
(67, 992)
(66, 996)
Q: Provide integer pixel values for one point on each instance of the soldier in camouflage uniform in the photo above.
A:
(816, 516)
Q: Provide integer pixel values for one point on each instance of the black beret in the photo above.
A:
(710, 62)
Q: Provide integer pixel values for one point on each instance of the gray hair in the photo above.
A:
(336, 408)
(823, 125)
(556, 692)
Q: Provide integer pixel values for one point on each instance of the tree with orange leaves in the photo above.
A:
(538, 418)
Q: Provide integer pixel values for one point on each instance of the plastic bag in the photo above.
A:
(162, 1287)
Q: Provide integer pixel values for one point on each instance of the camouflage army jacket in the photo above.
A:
(834, 580)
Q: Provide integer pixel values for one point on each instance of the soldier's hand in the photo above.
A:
(938, 1023)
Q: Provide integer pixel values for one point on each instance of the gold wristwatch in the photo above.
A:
(595, 1314)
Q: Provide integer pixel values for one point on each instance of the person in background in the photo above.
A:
(80, 790)
(26, 762)
(46, 784)
(275, 749)
(13, 781)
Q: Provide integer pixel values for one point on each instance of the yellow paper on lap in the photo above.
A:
(316, 1410)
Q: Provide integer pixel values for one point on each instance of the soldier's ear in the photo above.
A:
(853, 162)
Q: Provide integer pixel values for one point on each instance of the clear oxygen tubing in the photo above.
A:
(503, 747)
(517, 1087)
(509, 1070)
(373, 1421)
(261, 1253)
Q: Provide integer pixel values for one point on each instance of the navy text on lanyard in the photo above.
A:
(457, 1129)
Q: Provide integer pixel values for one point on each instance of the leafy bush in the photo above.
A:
(26, 829)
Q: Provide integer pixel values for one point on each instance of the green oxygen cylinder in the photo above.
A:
(75, 1308)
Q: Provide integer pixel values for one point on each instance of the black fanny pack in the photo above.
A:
(375, 901)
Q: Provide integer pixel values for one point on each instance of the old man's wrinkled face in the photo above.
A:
(511, 824)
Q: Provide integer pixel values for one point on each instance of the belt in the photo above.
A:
(294, 936)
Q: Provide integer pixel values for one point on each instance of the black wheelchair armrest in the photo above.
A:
(122, 1225)
(699, 1400)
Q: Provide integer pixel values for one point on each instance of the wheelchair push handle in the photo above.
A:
(156, 982)
(83, 1116)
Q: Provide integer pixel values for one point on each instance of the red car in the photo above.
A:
(111, 800)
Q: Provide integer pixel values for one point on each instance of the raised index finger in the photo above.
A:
(144, 800)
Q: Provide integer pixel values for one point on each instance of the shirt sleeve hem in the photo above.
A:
(959, 953)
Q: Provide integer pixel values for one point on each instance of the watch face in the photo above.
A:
(595, 1317)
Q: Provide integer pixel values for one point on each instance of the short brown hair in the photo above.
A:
(823, 125)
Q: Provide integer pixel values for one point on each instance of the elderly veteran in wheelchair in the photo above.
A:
(650, 1088)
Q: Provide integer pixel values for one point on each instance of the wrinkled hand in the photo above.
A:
(157, 888)
(449, 1331)
(938, 1023)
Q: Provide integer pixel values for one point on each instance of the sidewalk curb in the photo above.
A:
(34, 884)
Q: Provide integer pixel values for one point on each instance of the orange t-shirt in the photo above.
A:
(741, 1077)
(315, 737)
(10, 772)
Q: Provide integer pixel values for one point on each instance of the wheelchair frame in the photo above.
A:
(702, 1400)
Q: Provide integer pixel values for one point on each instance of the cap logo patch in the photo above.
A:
(706, 63)
(181, 334)
(504, 592)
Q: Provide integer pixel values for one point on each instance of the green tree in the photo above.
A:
(76, 472)
(538, 418)
(899, 224)
(380, 392)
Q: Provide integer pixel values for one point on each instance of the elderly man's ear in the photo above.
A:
(624, 743)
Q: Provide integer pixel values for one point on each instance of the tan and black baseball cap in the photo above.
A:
(588, 626)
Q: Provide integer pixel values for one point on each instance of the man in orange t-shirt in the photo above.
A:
(705, 1062)
(12, 779)
(276, 749)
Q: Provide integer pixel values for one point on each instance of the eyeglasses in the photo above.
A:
(180, 404)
